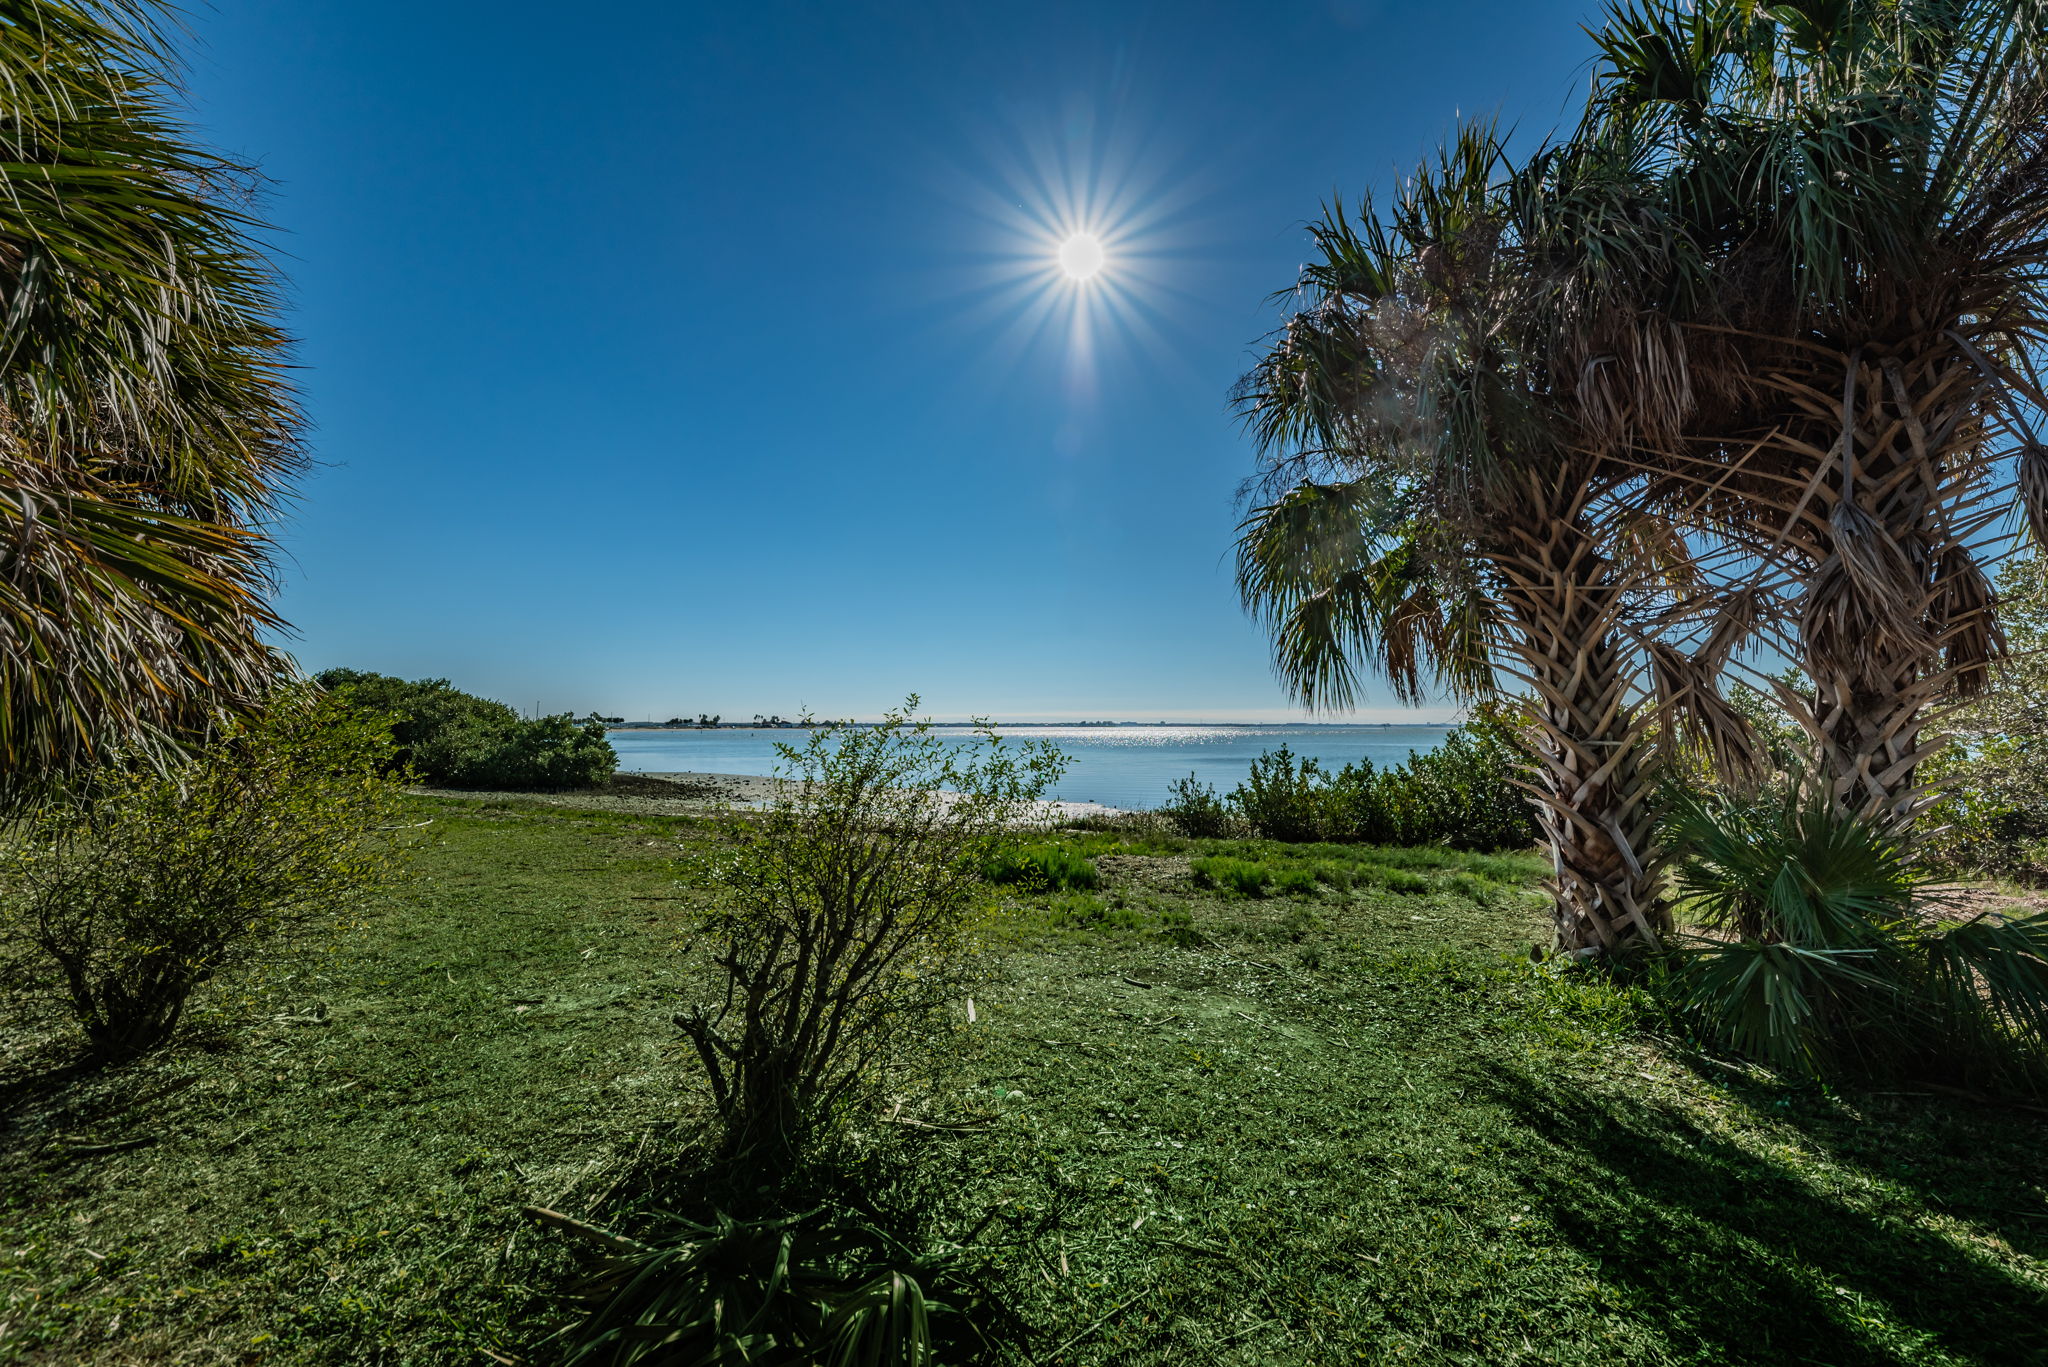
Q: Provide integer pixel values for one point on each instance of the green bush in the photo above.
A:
(545, 753)
(1471, 887)
(1394, 880)
(1084, 910)
(1041, 868)
(450, 737)
(148, 884)
(1239, 876)
(843, 925)
(1196, 811)
(1283, 798)
(1991, 814)
(1469, 793)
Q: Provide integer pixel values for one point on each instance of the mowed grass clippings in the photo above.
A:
(333, 1172)
(1348, 1124)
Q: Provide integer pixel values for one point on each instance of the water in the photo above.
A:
(1119, 766)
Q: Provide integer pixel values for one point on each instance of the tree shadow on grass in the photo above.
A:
(62, 1103)
(1736, 1258)
(1969, 1155)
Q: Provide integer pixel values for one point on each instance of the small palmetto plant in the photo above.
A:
(1824, 951)
(822, 1287)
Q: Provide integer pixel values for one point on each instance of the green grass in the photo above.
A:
(1047, 867)
(1345, 1126)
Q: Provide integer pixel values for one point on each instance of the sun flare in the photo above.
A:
(1081, 256)
(1083, 231)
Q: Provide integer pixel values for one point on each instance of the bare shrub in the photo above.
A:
(846, 914)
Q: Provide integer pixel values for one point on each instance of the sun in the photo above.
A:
(1081, 256)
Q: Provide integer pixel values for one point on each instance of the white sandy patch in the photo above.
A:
(699, 792)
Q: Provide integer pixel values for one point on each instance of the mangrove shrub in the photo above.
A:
(1470, 793)
(447, 736)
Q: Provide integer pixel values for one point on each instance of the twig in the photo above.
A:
(617, 1243)
(1113, 1313)
(948, 1126)
(86, 1146)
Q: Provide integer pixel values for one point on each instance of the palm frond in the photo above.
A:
(147, 427)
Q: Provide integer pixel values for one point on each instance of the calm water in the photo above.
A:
(1123, 766)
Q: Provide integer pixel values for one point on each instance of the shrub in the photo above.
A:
(1831, 960)
(545, 753)
(447, 736)
(1394, 880)
(846, 909)
(1226, 874)
(1471, 887)
(1282, 798)
(1302, 922)
(1195, 810)
(1992, 810)
(1041, 868)
(148, 884)
(1469, 793)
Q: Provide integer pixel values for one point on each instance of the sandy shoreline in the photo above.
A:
(686, 793)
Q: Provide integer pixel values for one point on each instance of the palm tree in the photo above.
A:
(146, 429)
(1440, 509)
(1863, 190)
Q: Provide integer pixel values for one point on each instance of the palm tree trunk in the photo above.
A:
(1867, 728)
(1897, 615)
(1596, 769)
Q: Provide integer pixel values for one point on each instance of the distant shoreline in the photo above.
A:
(1027, 725)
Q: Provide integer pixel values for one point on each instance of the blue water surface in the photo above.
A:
(1120, 766)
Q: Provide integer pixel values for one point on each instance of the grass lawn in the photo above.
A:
(1342, 1122)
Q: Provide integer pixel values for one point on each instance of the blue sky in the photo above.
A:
(677, 358)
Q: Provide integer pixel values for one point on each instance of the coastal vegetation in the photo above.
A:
(1642, 1021)
(444, 736)
(1471, 793)
(1737, 372)
(1720, 372)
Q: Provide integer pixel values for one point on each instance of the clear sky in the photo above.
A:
(669, 358)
